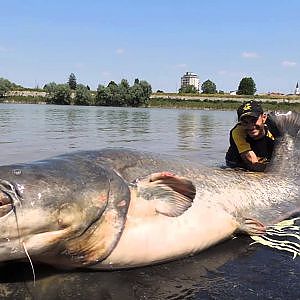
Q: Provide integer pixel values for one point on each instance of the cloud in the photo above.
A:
(288, 64)
(120, 51)
(250, 54)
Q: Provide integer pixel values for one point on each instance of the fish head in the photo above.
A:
(43, 211)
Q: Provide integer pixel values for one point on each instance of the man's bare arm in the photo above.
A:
(249, 157)
(252, 162)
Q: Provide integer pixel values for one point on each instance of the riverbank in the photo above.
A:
(219, 102)
(227, 97)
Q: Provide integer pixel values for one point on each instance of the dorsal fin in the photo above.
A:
(286, 156)
(172, 195)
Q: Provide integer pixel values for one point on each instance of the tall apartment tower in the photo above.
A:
(297, 92)
(190, 78)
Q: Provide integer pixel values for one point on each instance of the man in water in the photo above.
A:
(252, 138)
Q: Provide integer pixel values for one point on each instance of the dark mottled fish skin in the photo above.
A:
(63, 185)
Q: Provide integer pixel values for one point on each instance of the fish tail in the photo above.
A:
(287, 123)
(286, 155)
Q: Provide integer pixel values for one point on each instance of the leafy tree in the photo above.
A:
(208, 87)
(136, 95)
(189, 89)
(102, 95)
(60, 94)
(82, 95)
(247, 86)
(49, 87)
(124, 84)
(115, 98)
(140, 93)
(123, 94)
(147, 91)
(5, 86)
(72, 81)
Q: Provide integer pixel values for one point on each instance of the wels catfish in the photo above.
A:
(118, 208)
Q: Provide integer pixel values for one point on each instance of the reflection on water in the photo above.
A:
(196, 131)
(206, 130)
(175, 280)
(187, 130)
(232, 270)
(32, 132)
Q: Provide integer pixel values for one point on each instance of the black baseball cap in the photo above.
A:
(250, 108)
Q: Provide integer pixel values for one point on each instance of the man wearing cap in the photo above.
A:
(252, 138)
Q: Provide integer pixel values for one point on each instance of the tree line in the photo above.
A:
(246, 86)
(6, 86)
(116, 94)
(121, 94)
(113, 94)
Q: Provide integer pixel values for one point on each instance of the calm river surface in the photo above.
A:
(232, 270)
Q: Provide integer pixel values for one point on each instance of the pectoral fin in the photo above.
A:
(252, 227)
(172, 195)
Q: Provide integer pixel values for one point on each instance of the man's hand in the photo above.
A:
(249, 157)
(252, 162)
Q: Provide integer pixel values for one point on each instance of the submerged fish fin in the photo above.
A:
(286, 156)
(252, 227)
(172, 195)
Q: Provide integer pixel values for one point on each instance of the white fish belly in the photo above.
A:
(156, 238)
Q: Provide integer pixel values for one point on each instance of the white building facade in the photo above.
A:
(190, 78)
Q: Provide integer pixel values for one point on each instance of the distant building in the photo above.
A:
(297, 92)
(190, 78)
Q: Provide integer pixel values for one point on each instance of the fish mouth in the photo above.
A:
(6, 206)
(9, 196)
(15, 233)
(15, 248)
(18, 237)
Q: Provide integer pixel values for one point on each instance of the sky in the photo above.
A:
(157, 41)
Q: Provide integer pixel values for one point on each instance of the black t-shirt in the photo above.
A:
(239, 143)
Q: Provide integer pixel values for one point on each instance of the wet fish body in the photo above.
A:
(119, 208)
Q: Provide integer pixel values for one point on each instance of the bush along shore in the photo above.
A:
(187, 102)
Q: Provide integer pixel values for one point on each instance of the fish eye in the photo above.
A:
(5, 204)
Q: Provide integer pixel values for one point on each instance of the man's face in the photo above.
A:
(254, 126)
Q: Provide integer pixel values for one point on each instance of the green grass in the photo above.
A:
(217, 104)
(178, 103)
(265, 97)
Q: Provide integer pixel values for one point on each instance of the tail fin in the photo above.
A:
(286, 156)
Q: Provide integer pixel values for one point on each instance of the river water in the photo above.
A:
(232, 270)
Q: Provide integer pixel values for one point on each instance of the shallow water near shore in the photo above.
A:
(231, 270)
